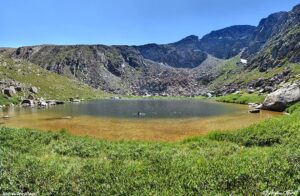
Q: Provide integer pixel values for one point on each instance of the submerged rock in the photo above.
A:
(254, 111)
(66, 117)
(59, 102)
(280, 99)
(141, 114)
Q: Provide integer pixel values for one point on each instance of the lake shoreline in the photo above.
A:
(133, 127)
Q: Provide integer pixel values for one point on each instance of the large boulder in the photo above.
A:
(280, 99)
(27, 102)
(9, 91)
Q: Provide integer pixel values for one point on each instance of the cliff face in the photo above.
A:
(108, 68)
(227, 42)
(276, 41)
(266, 28)
(182, 54)
(191, 51)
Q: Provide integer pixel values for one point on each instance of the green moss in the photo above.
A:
(249, 161)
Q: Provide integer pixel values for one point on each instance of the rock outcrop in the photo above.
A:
(10, 87)
(34, 89)
(10, 91)
(280, 99)
(182, 54)
(276, 41)
(228, 42)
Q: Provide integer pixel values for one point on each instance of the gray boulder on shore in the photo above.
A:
(280, 99)
(9, 91)
(33, 89)
(27, 102)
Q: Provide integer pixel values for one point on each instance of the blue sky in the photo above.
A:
(32, 22)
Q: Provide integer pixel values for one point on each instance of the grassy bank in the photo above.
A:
(5, 100)
(262, 157)
(242, 98)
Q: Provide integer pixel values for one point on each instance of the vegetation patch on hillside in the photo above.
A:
(5, 100)
(262, 157)
(232, 71)
(50, 85)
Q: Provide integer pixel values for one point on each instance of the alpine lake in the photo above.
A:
(135, 119)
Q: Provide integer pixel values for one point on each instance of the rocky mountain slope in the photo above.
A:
(182, 54)
(23, 80)
(282, 43)
(228, 42)
(117, 69)
(191, 66)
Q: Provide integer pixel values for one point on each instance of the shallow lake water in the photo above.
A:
(163, 120)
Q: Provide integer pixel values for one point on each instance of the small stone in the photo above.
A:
(31, 97)
(33, 89)
(18, 89)
(250, 91)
